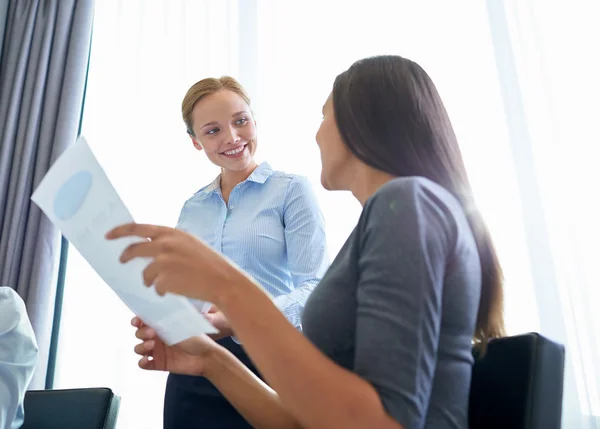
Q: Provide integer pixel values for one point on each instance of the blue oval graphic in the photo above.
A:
(71, 195)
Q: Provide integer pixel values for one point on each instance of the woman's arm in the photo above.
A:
(307, 254)
(317, 391)
(306, 247)
(258, 403)
(202, 357)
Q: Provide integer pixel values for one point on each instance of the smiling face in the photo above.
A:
(225, 130)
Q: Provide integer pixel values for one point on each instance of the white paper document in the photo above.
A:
(79, 199)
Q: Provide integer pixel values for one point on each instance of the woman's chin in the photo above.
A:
(240, 164)
(325, 183)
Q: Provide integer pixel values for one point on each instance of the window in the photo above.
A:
(146, 54)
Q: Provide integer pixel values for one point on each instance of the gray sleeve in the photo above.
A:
(405, 235)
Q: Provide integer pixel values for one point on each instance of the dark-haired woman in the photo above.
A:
(388, 331)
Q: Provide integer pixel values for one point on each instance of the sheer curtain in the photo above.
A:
(146, 54)
(549, 73)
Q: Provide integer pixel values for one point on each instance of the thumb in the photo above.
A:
(213, 309)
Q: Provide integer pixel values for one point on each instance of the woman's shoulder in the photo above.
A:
(413, 194)
(290, 184)
(415, 202)
(414, 187)
(287, 177)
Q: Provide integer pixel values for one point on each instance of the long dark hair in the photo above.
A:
(391, 116)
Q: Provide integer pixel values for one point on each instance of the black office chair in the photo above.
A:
(518, 384)
(96, 408)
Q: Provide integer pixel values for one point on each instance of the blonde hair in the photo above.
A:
(206, 87)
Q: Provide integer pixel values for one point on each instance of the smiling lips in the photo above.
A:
(235, 153)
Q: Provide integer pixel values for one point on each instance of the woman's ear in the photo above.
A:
(196, 144)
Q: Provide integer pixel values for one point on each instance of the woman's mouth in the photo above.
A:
(235, 153)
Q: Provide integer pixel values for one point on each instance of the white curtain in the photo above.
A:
(548, 67)
(519, 88)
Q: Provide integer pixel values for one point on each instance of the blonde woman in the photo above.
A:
(266, 221)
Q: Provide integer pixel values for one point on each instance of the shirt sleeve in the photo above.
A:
(201, 306)
(403, 246)
(306, 247)
(18, 357)
(181, 218)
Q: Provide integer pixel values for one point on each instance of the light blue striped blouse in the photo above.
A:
(18, 357)
(272, 228)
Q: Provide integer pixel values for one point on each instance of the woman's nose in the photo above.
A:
(232, 136)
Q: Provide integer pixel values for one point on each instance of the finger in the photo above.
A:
(137, 322)
(161, 285)
(138, 230)
(151, 272)
(213, 309)
(148, 249)
(145, 348)
(147, 364)
(145, 333)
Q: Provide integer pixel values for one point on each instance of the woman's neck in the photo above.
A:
(367, 181)
(231, 178)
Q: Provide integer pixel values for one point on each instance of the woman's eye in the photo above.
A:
(213, 131)
(241, 121)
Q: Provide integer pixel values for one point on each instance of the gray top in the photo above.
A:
(398, 305)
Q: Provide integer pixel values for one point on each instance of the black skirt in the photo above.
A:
(194, 403)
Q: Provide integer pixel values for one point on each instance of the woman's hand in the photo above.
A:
(181, 264)
(191, 357)
(219, 321)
